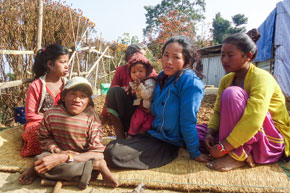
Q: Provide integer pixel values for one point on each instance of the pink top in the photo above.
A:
(34, 98)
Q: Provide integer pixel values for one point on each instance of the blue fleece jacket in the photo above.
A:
(175, 108)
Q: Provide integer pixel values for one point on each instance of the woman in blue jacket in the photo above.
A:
(175, 105)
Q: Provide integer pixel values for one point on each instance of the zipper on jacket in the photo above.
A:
(164, 108)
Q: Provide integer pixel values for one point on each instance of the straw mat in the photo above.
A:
(182, 174)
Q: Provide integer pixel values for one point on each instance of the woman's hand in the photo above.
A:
(209, 142)
(215, 152)
(203, 158)
(48, 162)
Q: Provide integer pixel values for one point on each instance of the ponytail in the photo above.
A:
(52, 53)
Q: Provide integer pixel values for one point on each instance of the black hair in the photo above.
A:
(147, 67)
(52, 52)
(246, 42)
(132, 49)
(192, 58)
(80, 88)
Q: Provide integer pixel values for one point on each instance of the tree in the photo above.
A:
(239, 19)
(190, 10)
(171, 17)
(223, 27)
(127, 40)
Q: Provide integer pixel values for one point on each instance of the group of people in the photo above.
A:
(153, 115)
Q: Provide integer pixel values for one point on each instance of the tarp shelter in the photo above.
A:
(275, 43)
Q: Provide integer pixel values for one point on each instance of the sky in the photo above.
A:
(113, 18)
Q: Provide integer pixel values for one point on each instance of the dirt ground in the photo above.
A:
(205, 111)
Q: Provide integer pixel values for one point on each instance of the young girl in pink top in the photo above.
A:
(50, 67)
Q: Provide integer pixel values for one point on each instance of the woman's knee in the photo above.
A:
(234, 93)
(115, 91)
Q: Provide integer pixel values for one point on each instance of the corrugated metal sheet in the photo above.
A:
(266, 65)
(212, 69)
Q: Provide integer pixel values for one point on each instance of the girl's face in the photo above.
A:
(172, 59)
(233, 59)
(60, 67)
(76, 102)
(138, 72)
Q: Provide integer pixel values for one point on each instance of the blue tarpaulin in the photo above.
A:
(265, 43)
(282, 46)
(275, 32)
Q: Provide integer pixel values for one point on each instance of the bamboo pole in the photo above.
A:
(39, 25)
(75, 39)
(74, 53)
(96, 63)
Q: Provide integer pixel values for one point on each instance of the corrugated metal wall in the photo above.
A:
(212, 69)
(266, 65)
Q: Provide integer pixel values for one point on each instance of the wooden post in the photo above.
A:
(39, 25)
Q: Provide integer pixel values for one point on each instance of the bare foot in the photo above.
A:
(108, 178)
(225, 164)
(250, 161)
(129, 137)
(28, 176)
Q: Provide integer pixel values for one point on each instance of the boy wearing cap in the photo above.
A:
(70, 136)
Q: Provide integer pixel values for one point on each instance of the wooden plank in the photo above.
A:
(14, 83)
(16, 52)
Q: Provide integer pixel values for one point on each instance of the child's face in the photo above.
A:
(233, 59)
(76, 102)
(60, 66)
(172, 59)
(138, 72)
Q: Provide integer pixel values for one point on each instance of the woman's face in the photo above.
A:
(60, 66)
(233, 59)
(76, 102)
(172, 59)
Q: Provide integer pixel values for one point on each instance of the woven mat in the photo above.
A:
(182, 174)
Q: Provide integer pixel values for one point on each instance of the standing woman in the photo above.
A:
(250, 116)
(50, 67)
(175, 104)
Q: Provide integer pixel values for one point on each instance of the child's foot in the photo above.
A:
(108, 178)
(129, 136)
(250, 161)
(28, 176)
(225, 164)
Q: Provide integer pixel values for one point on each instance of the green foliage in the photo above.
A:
(127, 40)
(239, 19)
(223, 27)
